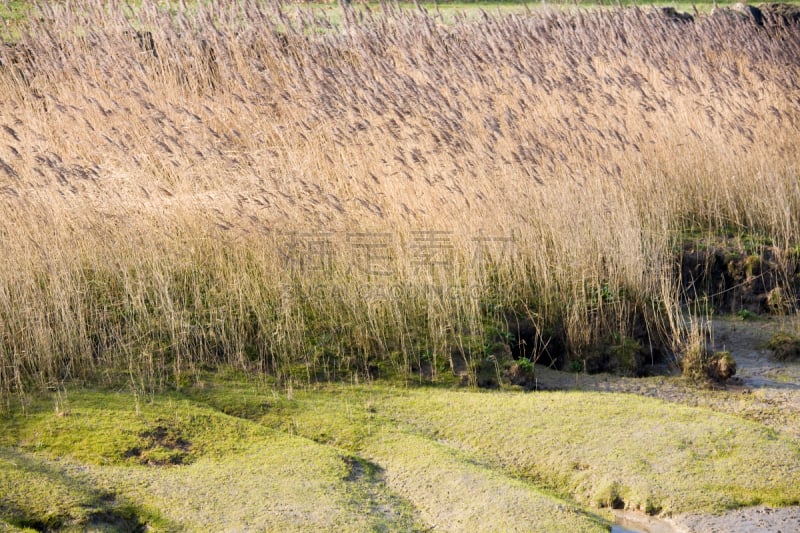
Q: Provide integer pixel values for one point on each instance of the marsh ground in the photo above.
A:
(194, 335)
(235, 452)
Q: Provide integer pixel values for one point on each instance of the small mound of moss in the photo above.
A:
(785, 347)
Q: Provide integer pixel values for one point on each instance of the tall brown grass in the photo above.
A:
(278, 193)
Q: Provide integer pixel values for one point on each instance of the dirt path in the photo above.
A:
(764, 390)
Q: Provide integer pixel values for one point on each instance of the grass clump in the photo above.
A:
(609, 495)
(785, 347)
(702, 366)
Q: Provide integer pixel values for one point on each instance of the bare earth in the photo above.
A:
(764, 390)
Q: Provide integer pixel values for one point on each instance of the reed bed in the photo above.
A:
(249, 184)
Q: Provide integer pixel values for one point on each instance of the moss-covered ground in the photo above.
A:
(235, 453)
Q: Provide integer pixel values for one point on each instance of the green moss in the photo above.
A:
(635, 440)
(785, 347)
(187, 464)
(664, 457)
(380, 457)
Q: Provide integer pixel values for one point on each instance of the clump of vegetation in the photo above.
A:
(746, 314)
(742, 274)
(780, 302)
(752, 265)
(521, 373)
(785, 347)
(721, 366)
(702, 365)
(609, 495)
(310, 198)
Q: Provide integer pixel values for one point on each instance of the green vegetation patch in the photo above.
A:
(449, 489)
(598, 449)
(170, 460)
(455, 493)
(105, 428)
(378, 457)
(659, 456)
(785, 347)
(43, 494)
(12, 13)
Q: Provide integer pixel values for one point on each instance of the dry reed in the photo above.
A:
(269, 191)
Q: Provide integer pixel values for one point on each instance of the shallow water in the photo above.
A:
(620, 529)
(632, 522)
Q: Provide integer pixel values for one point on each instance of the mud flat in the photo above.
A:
(761, 519)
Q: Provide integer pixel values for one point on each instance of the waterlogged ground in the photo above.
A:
(230, 453)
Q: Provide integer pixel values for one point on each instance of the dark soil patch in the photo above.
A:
(729, 279)
(50, 523)
(109, 517)
(634, 354)
(123, 520)
(164, 446)
(542, 346)
(357, 470)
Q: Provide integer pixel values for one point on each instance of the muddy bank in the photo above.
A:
(729, 276)
(765, 390)
(761, 519)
